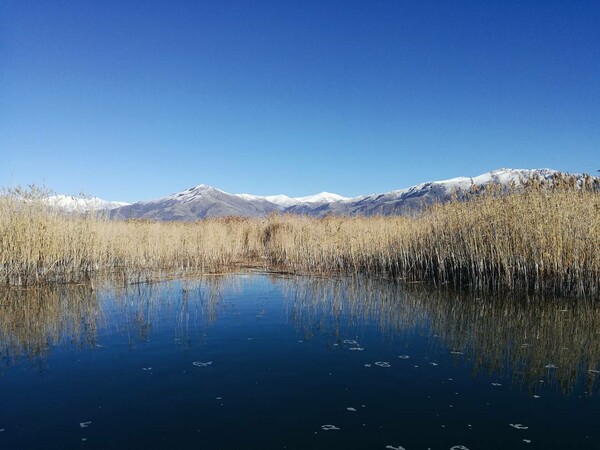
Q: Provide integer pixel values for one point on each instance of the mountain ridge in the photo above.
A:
(204, 201)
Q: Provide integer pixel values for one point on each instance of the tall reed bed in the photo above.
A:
(538, 239)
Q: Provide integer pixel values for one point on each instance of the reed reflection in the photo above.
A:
(534, 339)
(34, 320)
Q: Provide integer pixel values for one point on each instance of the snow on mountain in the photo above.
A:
(281, 200)
(323, 197)
(72, 203)
(284, 200)
(498, 176)
(206, 201)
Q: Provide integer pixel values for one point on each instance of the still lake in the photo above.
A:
(257, 361)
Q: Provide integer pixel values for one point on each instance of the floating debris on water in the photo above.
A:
(527, 441)
(459, 447)
(202, 364)
(403, 356)
(85, 424)
(433, 364)
(456, 352)
(329, 427)
(358, 349)
(551, 366)
(383, 364)
(350, 342)
(146, 368)
(368, 365)
(351, 409)
(518, 426)
(391, 447)
(496, 384)
(536, 396)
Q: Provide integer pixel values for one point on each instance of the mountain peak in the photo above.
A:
(203, 200)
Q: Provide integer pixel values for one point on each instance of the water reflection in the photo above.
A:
(32, 321)
(534, 340)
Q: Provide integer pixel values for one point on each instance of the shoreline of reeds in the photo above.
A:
(536, 240)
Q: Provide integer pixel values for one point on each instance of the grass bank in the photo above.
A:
(538, 239)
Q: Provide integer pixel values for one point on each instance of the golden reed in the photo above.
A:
(540, 238)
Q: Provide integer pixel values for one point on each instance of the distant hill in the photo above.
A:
(204, 201)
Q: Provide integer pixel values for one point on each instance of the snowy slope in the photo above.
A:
(72, 203)
(206, 201)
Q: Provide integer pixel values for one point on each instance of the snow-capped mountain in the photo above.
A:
(206, 201)
(285, 201)
(72, 203)
(197, 202)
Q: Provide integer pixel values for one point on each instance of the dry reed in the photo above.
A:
(538, 239)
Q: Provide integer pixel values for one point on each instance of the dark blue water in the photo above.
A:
(259, 362)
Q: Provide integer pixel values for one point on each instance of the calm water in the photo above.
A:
(262, 362)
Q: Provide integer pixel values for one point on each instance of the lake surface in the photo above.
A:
(254, 361)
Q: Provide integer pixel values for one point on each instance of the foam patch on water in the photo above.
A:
(518, 426)
(350, 342)
(329, 427)
(202, 364)
(551, 366)
(403, 356)
(351, 409)
(459, 447)
(383, 364)
(85, 424)
(358, 349)
(391, 447)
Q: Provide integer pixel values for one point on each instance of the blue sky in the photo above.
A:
(134, 100)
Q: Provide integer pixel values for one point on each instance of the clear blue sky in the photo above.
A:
(131, 100)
